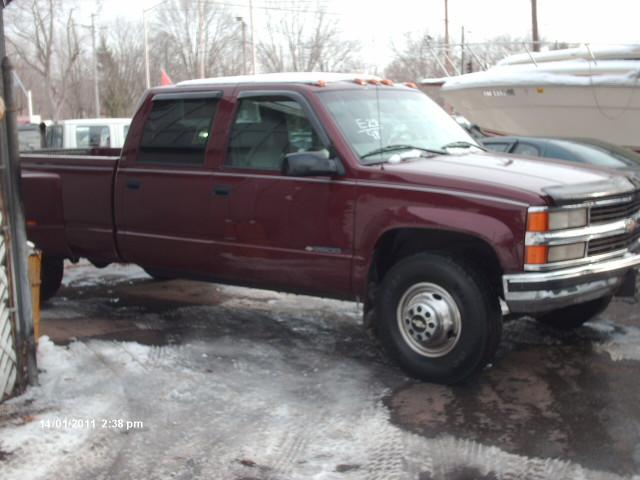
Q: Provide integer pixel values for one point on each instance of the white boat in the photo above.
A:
(580, 92)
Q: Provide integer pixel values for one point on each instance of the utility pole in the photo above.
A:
(253, 39)
(96, 80)
(462, 50)
(201, 39)
(534, 26)
(446, 34)
(244, 44)
(146, 48)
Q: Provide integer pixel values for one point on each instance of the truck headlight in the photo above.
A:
(549, 220)
(541, 254)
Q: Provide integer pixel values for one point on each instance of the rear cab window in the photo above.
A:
(93, 136)
(527, 149)
(498, 146)
(177, 129)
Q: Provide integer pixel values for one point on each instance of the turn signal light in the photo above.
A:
(538, 222)
(536, 255)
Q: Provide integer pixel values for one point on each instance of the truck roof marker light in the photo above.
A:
(410, 85)
(536, 254)
(374, 81)
(321, 83)
(387, 82)
(360, 81)
(538, 222)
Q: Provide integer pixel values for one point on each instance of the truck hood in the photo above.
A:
(532, 181)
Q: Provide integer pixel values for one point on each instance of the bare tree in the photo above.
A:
(421, 57)
(197, 38)
(428, 57)
(122, 76)
(43, 36)
(306, 41)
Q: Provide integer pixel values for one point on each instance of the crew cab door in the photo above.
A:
(281, 231)
(163, 188)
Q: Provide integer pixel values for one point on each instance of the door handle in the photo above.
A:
(222, 190)
(133, 184)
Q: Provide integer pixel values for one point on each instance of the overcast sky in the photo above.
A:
(378, 24)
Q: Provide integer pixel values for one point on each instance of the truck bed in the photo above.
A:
(80, 223)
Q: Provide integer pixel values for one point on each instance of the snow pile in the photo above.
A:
(574, 73)
(83, 274)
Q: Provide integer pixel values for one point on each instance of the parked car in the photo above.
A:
(29, 137)
(471, 128)
(344, 187)
(88, 133)
(579, 150)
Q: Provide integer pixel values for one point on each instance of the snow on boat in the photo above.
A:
(579, 92)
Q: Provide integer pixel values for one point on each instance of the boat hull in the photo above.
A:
(608, 112)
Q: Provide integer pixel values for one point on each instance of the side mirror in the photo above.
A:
(311, 164)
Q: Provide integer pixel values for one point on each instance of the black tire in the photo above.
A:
(570, 318)
(478, 311)
(51, 272)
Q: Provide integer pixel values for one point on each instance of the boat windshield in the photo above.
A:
(381, 122)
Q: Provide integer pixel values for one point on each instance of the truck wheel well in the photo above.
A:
(397, 244)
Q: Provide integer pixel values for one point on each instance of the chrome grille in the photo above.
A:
(612, 213)
(601, 246)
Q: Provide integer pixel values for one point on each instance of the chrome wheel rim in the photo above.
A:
(429, 320)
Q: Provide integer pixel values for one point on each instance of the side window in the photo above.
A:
(498, 147)
(265, 130)
(526, 149)
(177, 131)
(54, 136)
(92, 136)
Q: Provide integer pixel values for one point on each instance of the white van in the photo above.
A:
(88, 133)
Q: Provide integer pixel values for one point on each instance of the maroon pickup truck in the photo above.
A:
(350, 188)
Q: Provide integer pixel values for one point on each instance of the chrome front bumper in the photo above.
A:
(535, 292)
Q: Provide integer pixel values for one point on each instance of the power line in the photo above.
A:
(255, 6)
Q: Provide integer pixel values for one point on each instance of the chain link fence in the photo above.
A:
(8, 357)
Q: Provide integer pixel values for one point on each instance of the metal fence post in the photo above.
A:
(14, 231)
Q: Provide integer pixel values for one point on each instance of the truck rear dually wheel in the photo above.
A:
(439, 318)
(574, 316)
(51, 272)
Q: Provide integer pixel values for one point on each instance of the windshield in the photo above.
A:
(387, 120)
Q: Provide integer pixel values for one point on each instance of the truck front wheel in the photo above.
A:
(439, 318)
(51, 272)
(570, 318)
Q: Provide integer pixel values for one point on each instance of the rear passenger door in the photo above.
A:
(280, 231)
(163, 188)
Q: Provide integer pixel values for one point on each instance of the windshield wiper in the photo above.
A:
(463, 144)
(393, 148)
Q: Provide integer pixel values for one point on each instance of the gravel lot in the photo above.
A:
(154, 380)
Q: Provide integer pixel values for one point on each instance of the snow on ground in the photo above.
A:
(215, 409)
(623, 343)
(262, 385)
